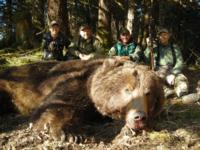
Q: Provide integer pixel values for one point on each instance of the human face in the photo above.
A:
(54, 30)
(164, 38)
(86, 33)
(125, 38)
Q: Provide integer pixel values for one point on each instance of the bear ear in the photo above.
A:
(111, 63)
(146, 91)
(135, 73)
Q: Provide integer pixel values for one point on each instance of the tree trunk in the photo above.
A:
(9, 23)
(23, 25)
(22, 33)
(130, 15)
(137, 18)
(57, 10)
(38, 17)
(104, 23)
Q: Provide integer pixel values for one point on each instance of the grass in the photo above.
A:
(18, 57)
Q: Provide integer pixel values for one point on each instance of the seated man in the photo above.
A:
(54, 42)
(126, 48)
(168, 63)
(86, 46)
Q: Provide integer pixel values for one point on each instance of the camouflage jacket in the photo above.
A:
(169, 56)
(89, 46)
(55, 46)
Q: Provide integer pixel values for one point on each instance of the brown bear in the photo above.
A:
(56, 93)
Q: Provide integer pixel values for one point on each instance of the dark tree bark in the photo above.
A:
(23, 24)
(38, 17)
(104, 23)
(22, 33)
(57, 10)
(9, 22)
(119, 10)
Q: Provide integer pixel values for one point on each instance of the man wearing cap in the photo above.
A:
(86, 46)
(125, 48)
(168, 62)
(54, 42)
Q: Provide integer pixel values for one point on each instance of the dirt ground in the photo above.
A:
(178, 128)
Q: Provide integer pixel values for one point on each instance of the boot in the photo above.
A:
(190, 98)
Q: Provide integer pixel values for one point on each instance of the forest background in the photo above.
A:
(23, 22)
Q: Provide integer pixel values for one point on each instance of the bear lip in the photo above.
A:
(138, 125)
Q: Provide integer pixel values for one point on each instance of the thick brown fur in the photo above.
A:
(56, 93)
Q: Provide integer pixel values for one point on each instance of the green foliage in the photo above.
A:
(17, 57)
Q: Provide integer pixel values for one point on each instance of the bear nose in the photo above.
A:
(139, 116)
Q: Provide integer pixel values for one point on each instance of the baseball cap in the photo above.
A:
(53, 23)
(162, 30)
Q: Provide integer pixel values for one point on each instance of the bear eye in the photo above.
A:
(135, 73)
(128, 90)
(147, 92)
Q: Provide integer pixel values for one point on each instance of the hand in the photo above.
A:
(85, 57)
(122, 58)
(52, 46)
(125, 58)
(170, 79)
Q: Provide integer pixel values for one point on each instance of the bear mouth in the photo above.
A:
(137, 124)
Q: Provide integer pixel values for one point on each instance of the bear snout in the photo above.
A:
(136, 120)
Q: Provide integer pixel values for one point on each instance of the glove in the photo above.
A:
(52, 46)
(170, 79)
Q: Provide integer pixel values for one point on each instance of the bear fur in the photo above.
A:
(56, 93)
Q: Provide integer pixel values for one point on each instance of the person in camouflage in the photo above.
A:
(86, 46)
(168, 62)
(126, 48)
(54, 42)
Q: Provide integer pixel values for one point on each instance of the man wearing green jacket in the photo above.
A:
(125, 48)
(86, 46)
(168, 62)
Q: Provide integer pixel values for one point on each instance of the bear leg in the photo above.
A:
(54, 116)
